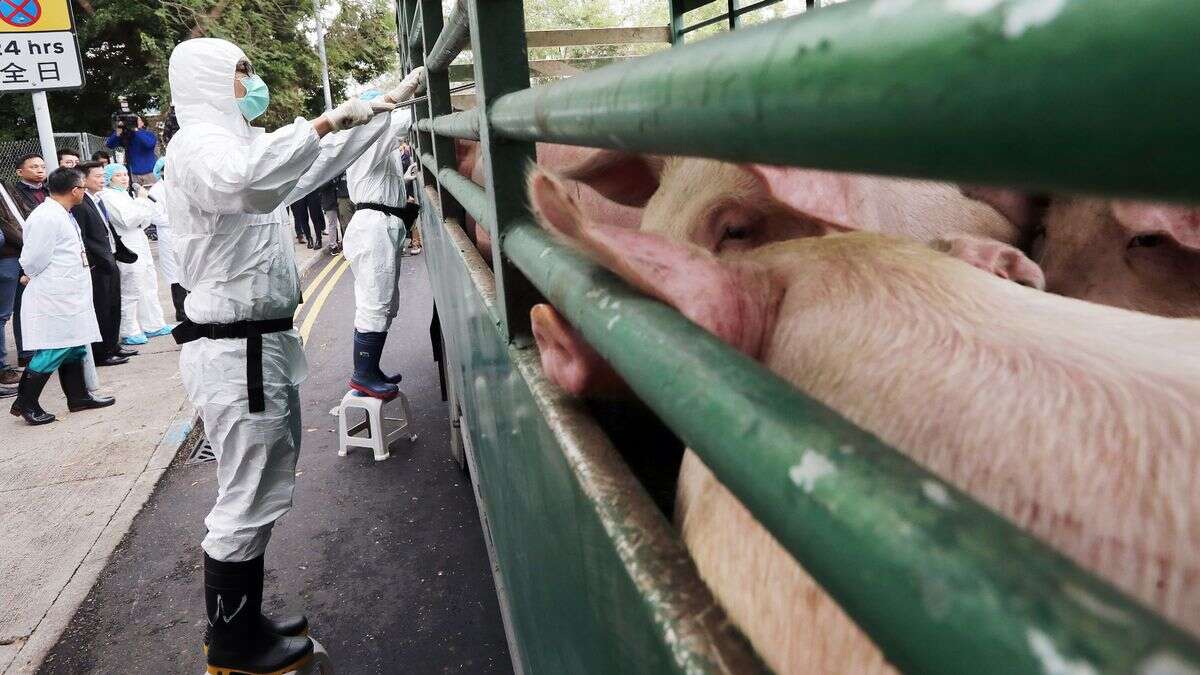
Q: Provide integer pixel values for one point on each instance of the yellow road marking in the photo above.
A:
(310, 317)
(312, 287)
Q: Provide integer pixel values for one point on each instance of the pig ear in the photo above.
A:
(994, 257)
(623, 177)
(1022, 209)
(567, 359)
(1181, 223)
(817, 197)
(733, 300)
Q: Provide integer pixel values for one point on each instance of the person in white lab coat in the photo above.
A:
(168, 264)
(242, 361)
(383, 213)
(57, 318)
(141, 314)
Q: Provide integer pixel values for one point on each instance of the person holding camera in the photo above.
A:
(130, 133)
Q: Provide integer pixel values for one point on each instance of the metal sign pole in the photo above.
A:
(321, 54)
(41, 110)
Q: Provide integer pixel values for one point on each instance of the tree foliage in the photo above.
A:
(127, 44)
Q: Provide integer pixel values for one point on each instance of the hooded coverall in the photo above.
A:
(230, 184)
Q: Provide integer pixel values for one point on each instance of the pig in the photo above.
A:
(1138, 255)
(1077, 421)
(724, 207)
(554, 157)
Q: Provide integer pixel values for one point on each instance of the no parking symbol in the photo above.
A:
(38, 48)
(20, 13)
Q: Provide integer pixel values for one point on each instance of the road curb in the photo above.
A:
(51, 627)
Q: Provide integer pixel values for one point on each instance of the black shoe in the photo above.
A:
(126, 353)
(70, 376)
(112, 361)
(241, 639)
(29, 390)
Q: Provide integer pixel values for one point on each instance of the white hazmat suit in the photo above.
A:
(372, 243)
(140, 310)
(230, 184)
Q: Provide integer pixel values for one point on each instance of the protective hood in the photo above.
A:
(111, 170)
(201, 75)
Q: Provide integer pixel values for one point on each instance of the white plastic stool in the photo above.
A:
(319, 664)
(376, 424)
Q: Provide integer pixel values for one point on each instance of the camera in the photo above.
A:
(124, 120)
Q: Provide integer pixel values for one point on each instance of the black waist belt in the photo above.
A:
(407, 213)
(251, 332)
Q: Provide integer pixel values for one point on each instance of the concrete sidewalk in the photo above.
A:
(70, 490)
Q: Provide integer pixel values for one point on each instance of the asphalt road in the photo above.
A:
(387, 559)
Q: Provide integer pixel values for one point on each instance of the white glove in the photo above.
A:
(411, 173)
(350, 113)
(408, 86)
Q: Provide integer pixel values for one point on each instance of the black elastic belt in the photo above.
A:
(407, 213)
(251, 332)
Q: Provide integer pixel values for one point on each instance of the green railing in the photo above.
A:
(1096, 95)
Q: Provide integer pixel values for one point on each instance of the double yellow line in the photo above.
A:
(338, 263)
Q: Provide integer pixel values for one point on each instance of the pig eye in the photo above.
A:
(735, 227)
(737, 232)
(1145, 241)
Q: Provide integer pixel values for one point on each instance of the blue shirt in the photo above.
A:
(139, 156)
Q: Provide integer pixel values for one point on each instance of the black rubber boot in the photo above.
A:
(70, 376)
(29, 390)
(367, 378)
(288, 626)
(241, 641)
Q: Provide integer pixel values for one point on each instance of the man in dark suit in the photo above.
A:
(103, 248)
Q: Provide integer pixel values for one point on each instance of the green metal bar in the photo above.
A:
(472, 197)
(732, 14)
(414, 35)
(677, 8)
(705, 23)
(502, 67)
(402, 26)
(438, 92)
(754, 7)
(416, 59)
(464, 124)
(452, 40)
(1100, 96)
(939, 582)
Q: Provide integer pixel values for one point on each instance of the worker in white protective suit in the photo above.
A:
(167, 263)
(241, 361)
(141, 315)
(382, 216)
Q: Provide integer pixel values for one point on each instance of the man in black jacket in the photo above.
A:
(103, 248)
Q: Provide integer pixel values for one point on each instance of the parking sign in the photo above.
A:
(38, 47)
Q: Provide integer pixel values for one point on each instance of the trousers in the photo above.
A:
(256, 452)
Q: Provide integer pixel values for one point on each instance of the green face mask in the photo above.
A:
(257, 98)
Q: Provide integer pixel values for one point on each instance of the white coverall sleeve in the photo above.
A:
(40, 235)
(126, 213)
(226, 175)
(338, 151)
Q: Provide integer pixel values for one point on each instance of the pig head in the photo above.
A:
(1138, 255)
(724, 207)
(1003, 391)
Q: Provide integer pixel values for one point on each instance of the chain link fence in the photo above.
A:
(10, 151)
(83, 143)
